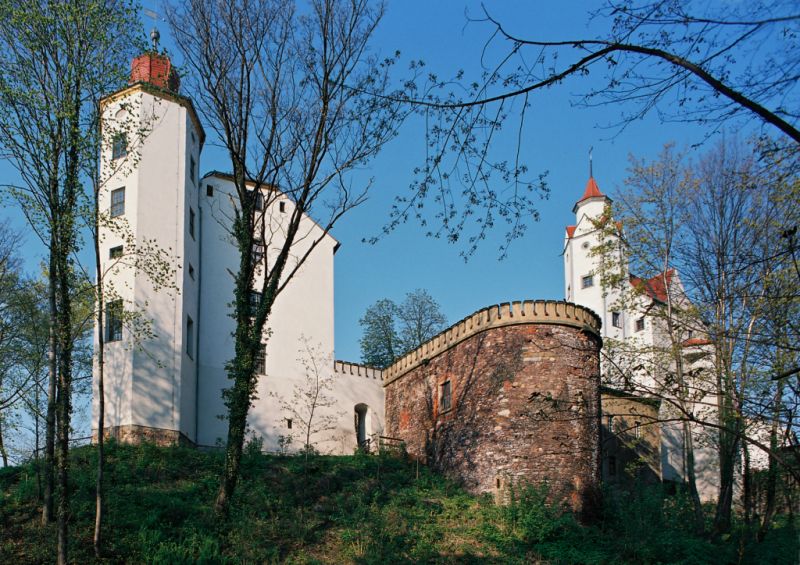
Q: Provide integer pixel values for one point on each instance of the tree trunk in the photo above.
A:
(101, 404)
(691, 479)
(50, 424)
(3, 451)
(772, 473)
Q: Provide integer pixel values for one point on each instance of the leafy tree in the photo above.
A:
(285, 94)
(719, 221)
(56, 55)
(380, 344)
(311, 400)
(391, 331)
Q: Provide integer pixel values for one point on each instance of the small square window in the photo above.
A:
(282, 206)
(119, 146)
(191, 223)
(446, 400)
(115, 252)
(189, 337)
(640, 324)
(117, 202)
(114, 320)
(209, 190)
(587, 281)
(616, 319)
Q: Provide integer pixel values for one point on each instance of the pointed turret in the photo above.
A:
(591, 192)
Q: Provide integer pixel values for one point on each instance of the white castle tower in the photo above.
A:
(152, 142)
(168, 257)
(640, 333)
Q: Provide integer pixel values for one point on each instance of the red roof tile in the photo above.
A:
(592, 190)
(655, 287)
(696, 341)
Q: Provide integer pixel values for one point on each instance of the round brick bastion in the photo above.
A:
(507, 396)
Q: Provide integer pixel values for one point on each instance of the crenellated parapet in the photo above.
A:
(500, 315)
(347, 368)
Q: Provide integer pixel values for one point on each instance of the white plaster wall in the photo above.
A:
(157, 193)
(301, 316)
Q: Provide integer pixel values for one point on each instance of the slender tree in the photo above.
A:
(284, 94)
(56, 53)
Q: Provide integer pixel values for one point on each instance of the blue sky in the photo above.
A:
(556, 138)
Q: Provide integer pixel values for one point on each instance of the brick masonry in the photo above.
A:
(525, 408)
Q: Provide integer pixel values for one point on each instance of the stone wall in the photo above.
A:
(135, 435)
(524, 401)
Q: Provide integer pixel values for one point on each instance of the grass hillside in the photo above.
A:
(358, 509)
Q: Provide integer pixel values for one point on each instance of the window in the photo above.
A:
(616, 319)
(587, 281)
(260, 361)
(639, 324)
(189, 337)
(612, 466)
(254, 301)
(258, 251)
(209, 190)
(114, 320)
(115, 252)
(610, 422)
(191, 168)
(117, 202)
(446, 399)
(191, 271)
(289, 423)
(282, 206)
(259, 199)
(191, 223)
(637, 429)
(119, 146)
(691, 334)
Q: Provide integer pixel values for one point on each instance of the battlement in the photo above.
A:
(499, 315)
(347, 368)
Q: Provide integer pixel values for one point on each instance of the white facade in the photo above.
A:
(170, 376)
(635, 340)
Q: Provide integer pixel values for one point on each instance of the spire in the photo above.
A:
(590, 162)
(591, 191)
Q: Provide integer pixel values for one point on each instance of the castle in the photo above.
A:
(511, 392)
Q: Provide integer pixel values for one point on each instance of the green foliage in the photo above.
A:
(391, 330)
(358, 509)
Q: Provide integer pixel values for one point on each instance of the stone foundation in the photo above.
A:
(135, 435)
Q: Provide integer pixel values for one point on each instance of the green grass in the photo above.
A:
(357, 509)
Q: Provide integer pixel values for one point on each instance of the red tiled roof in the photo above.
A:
(696, 341)
(592, 190)
(570, 231)
(655, 287)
